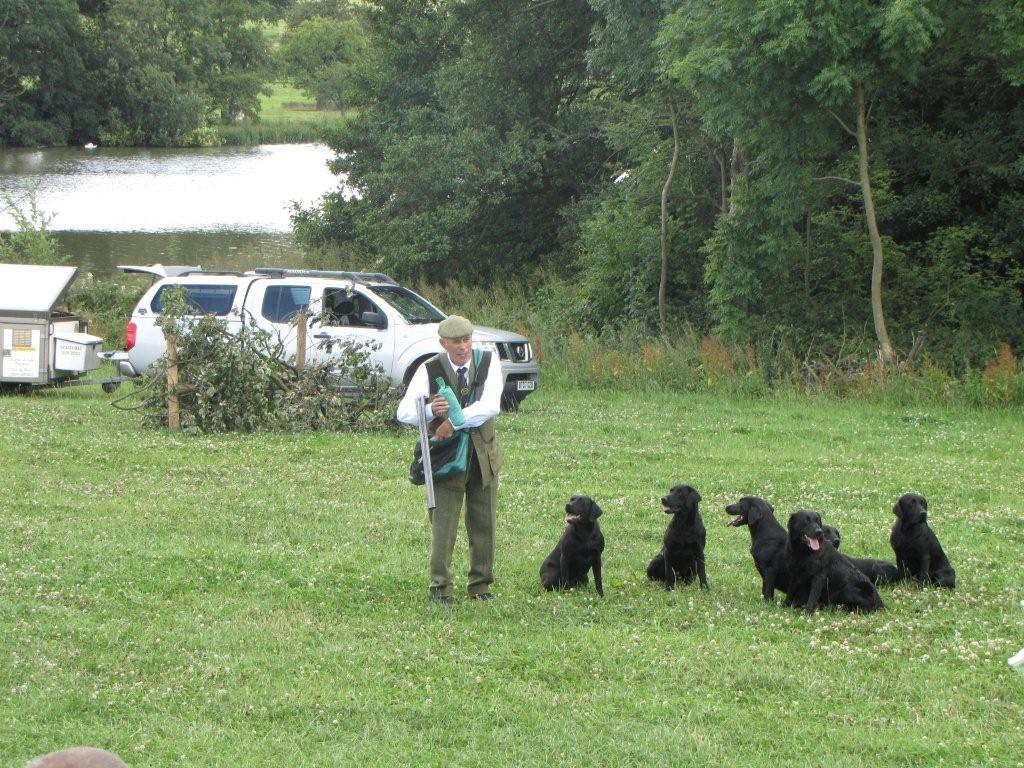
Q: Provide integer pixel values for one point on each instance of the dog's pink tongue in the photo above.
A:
(814, 544)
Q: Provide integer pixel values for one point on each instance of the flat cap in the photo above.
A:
(454, 327)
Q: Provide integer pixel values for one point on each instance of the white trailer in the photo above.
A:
(41, 343)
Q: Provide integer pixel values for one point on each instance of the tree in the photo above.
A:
(170, 68)
(41, 71)
(470, 138)
(772, 73)
(322, 56)
(644, 122)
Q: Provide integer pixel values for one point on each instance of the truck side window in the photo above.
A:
(281, 302)
(346, 308)
(204, 299)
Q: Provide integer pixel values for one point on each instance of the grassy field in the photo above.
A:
(260, 600)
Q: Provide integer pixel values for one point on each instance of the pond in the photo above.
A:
(222, 208)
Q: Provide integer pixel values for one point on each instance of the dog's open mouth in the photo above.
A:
(736, 521)
(572, 518)
(667, 509)
(813, 543)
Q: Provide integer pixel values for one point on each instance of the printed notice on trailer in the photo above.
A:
(21, 353)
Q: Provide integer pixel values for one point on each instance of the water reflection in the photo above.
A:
(241, 189)
(100, 252)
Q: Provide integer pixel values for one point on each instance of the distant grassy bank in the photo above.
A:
(259, 600)
(286, 116)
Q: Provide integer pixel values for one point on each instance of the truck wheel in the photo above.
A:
(411, 370)
(510, 402)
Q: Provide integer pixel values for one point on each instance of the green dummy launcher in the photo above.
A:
(455, 414)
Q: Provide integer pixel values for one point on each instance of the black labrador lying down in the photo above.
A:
(918, 552)
(819, 575)
(767, 542)
(683, 545)
(880, 572)
(578, 551)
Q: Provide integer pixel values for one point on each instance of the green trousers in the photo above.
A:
(481, 502)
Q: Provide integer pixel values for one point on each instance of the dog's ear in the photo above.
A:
(595, 511)
(696, 496)
(754, 512)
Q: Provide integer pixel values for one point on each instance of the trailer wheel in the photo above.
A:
(110, 386)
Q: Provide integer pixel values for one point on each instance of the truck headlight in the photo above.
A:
(487, 346)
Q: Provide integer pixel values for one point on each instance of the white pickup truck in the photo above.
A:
(343, 306)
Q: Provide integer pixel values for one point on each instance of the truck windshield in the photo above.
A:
(413, 307)
(204, 299)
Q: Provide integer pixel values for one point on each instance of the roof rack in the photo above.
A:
(357, 277)
(201, 271)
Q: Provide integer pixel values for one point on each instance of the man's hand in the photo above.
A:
(445, 430)
(439, 407)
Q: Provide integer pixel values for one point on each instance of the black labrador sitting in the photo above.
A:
(880, 572)
(683, 545)
(918, 552)
(819, 575)
(578, 551)
(767, 542)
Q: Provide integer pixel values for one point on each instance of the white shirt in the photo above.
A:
(486, 407)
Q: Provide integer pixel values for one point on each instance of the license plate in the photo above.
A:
(526, 385)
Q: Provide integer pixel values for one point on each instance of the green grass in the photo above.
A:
(260, 600)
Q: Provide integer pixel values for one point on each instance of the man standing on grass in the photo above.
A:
(478, 385)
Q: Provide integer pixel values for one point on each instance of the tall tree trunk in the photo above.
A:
(885, 350)
(723, 184)
(663, 284)
(737, 167)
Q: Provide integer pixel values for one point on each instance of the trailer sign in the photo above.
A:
(20, 353)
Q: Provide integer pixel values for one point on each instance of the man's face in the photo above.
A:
(459, 349)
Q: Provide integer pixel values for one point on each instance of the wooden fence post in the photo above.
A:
(301, 320)
(173, 407)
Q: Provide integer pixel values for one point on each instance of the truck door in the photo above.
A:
(274, 306)
(350, 315)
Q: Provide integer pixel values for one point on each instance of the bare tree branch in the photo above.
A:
(845, 126)
(836, 178)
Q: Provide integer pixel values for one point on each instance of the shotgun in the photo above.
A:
(428, 469)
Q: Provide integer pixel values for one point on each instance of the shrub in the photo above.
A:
(105, 306)
(30, 243)
(240, 381)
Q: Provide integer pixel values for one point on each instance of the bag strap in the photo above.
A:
(482, 363)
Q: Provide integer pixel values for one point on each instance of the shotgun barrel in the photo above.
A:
(428, 469)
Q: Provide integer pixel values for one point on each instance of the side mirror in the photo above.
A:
(374, 319)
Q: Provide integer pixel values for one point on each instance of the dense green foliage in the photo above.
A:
(473, 133)
(495, 138)
(133, 72)
(838, 178)
(322, 52)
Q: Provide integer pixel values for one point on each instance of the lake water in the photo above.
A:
(222, 208)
